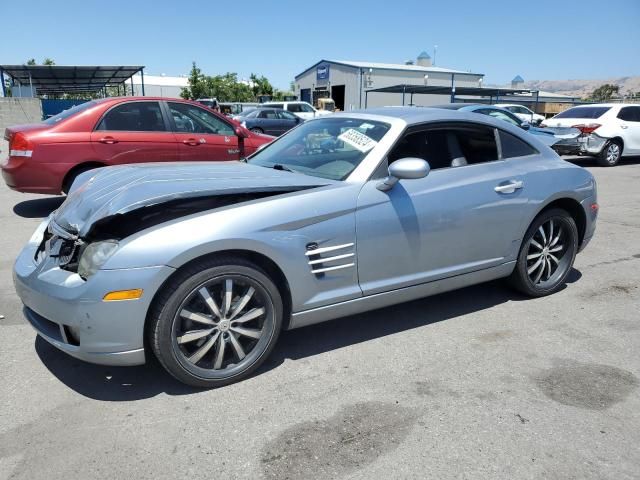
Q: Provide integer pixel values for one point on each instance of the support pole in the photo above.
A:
(453, 88)
(142, 80)
(411, 99)
(366, 98)
(535, 105)
(4, 88)
(133, 93)
(404, 87)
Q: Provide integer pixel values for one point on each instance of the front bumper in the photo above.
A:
(69, 312)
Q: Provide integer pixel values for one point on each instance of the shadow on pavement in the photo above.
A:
(106, 383)
(38, 208)
(586, 161)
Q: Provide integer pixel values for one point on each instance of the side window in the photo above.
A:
(294, 107)
(512, 146)
(629, 114)
(270, 114)
(306, 108)
(134, 117)
(283, 114)
(504, 116)
(448, 147)
(191, 119)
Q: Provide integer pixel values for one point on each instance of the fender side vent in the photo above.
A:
(322, 260)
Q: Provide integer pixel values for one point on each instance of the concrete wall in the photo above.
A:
(350, 77)
(14, 111)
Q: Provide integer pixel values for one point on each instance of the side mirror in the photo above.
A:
(525, 125)
(404, 169)
(241, 132)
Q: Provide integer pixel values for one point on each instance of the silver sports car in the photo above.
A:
(205, 264)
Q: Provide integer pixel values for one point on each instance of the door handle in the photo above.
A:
(191, 141)
(510, 187)
(108, 140)
(624, 126)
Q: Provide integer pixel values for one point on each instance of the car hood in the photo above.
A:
(109, 191)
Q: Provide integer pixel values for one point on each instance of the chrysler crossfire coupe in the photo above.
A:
(204, 264)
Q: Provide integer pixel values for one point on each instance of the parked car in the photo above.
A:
(205, 264)
(564, 140)
(523, 113)
(301, 109)
(272, 121)
(46, 157)
(610, 131)
(231, 109)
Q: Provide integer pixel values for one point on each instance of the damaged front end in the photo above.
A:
(87, 253)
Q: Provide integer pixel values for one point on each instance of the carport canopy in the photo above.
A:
(58, 79)
(445, 90)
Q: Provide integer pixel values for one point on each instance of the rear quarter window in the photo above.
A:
(513, 147)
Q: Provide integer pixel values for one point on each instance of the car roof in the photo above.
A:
(415, 115)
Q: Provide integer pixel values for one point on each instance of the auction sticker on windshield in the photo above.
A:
(357, 140)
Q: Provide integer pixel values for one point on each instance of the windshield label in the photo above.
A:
(357, 140)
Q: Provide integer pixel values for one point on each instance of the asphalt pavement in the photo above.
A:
(480, 383)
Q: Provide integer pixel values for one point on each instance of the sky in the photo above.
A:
(539, 39)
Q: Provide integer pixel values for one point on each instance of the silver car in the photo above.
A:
(205, 264)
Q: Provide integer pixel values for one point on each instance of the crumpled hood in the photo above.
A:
(114, 190)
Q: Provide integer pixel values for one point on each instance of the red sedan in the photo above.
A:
(46, 157)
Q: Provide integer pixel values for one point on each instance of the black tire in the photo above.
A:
(167, 329)
(610, 154)
(562, 259)
(256, 130)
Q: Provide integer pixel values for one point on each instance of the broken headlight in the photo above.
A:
(94, 256)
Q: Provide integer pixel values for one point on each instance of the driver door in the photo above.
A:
(451, 222)
(202, 135)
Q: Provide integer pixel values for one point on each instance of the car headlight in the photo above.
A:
(94, 256)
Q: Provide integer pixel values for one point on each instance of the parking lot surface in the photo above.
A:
(476, 383)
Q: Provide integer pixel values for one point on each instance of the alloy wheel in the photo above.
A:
(220, 325)
(613, 153)
(547, 253)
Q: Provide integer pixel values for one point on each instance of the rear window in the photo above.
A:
(583, 112)
(67, 113)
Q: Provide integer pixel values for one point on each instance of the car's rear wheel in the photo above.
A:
(73, 174)
(547, 254)
(610, 154)
(256, 130)
(216, 322)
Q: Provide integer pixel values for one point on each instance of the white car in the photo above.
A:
(609, 130)
(523, 113)
(301, 109)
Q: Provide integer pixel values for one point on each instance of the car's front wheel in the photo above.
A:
(256, 130)
(547, 254)
(216, 322)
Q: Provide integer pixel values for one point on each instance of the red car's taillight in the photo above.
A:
(20, 146)
(586, 129)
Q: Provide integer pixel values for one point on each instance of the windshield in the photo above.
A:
(328, 148)
(583, 112)
(67, 113)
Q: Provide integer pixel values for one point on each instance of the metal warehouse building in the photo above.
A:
(347, 81)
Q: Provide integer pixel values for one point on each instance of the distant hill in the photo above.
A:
(582, 88)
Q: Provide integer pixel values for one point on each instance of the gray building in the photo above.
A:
(347, 81)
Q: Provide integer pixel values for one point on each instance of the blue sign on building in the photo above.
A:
(322, 72)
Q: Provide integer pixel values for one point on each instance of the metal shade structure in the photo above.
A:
(59, 79)
(452, 91)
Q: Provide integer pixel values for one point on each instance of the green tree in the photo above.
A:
(604, 92)
(48, 61)
(31, 61)
(198, 87)
(260, 85)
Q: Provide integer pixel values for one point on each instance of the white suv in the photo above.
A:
(609, 130)
(301, 109)
(523, 113)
